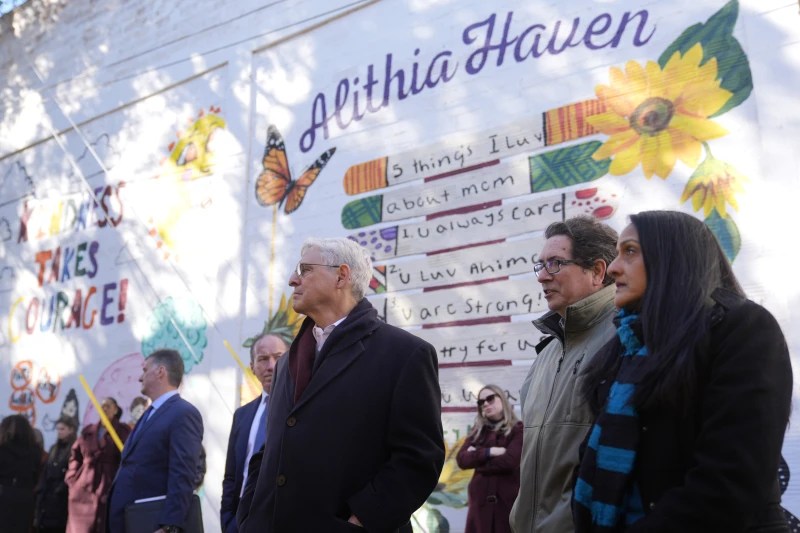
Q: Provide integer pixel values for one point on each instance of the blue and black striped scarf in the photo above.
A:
(606, 497)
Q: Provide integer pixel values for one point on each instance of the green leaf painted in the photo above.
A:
(447, 499)
(727, 233)
(566, 166)
(716, 37)
(362, 212)
(437, 522)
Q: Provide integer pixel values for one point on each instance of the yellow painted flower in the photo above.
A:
(191, 157)
(713, 185)
(656, 116)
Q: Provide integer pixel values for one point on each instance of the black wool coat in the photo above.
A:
(715, 468)
(364, 438)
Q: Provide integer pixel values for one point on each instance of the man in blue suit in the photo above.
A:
(161, 455)
(248, 430)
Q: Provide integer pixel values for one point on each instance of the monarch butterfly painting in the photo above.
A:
(275, 185)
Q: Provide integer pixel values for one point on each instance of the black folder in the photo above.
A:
(142, 517)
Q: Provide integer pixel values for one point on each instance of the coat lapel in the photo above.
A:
(154, 418)
(342, 348)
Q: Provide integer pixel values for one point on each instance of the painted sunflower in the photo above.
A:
(656, 116)
(713, 185)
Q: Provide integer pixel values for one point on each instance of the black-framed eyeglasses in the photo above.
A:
(552, 266)
(303, 268)
(488, 399)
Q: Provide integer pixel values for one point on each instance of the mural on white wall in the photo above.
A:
(442, 137)
(456, 149)
(95, 224)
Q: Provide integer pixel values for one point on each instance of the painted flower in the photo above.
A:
(656, 116)
(452, 481)
(714, 184)
(451, 491)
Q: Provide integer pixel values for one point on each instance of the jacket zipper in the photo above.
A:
(539, 437)
(578, 364)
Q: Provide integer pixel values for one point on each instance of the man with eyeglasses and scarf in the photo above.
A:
(580, 295)
(354, 426)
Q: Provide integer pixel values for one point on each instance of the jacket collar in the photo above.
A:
(581, 315)
(342, 347)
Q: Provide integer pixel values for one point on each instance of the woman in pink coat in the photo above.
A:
(493, 449)
(92, 467)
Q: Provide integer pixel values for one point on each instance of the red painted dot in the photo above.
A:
(603, 211)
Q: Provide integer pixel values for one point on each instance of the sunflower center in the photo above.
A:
(652, 116)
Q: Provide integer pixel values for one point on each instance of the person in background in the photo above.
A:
(137, 409)
(493, 449)
(248, 430)
(692, 395)
(571, 269)
(20, 464)
(51, 493)
(92, 466)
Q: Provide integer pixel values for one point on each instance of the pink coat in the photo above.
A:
(92, 466)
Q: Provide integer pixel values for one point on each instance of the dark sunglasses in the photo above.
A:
(488, 399)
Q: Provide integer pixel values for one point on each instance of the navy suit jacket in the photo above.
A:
(160, 457)
(234, 464)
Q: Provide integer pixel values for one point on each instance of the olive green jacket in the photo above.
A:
(554, 415)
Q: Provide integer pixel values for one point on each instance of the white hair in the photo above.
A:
(344, 251)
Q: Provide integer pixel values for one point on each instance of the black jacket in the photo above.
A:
(365, 437)
(51, 493)
(716, 468)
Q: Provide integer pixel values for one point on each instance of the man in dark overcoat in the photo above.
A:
(354, 427)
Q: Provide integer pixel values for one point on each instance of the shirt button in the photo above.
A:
(281, 480)
(652, 505)
(291, 421)
(644, 428)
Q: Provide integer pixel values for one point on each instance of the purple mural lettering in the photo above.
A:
(352, 101)
(528, 43)
(404, 82)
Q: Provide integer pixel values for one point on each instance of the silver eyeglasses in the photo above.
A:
(304, 268)
(552, 266)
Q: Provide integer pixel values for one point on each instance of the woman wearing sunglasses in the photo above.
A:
(693, 396)
(493, 449)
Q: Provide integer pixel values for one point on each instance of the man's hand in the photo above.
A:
(471, 449)
(354, 520)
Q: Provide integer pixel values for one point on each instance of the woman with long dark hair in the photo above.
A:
(20, 463)
(692, 396)
(51, 493)
(92, 466)
(493, 449)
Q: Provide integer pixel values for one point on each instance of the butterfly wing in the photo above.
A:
(274, 181)
(297, 191)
